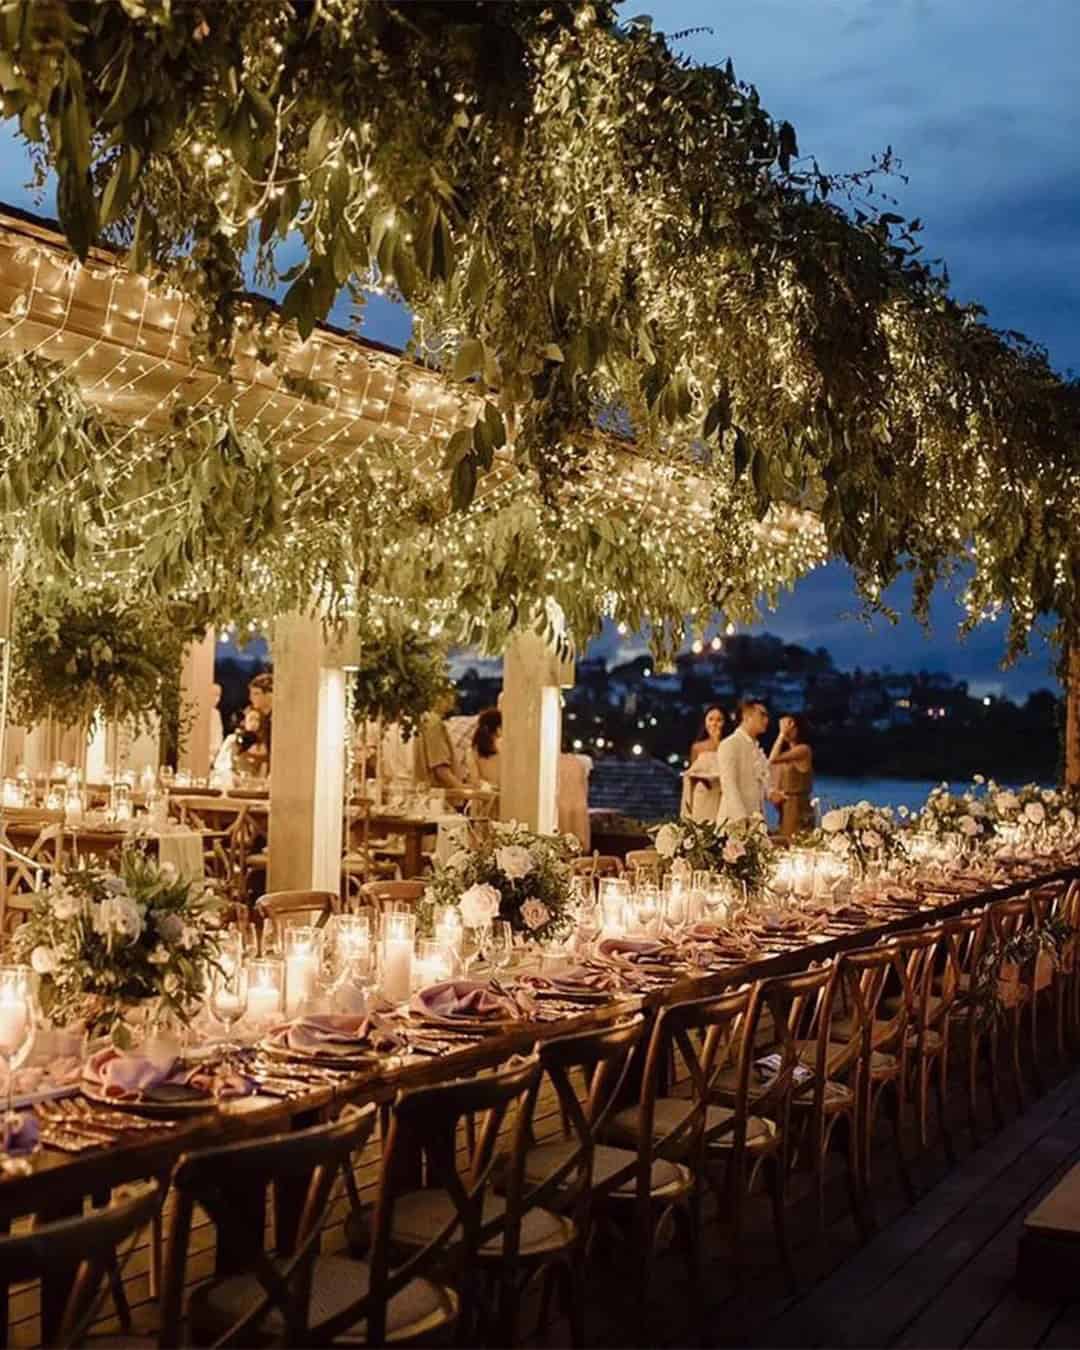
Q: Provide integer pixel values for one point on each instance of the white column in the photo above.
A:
(197, 700)
(533, 675)
(307, 766)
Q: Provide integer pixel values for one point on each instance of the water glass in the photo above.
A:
(475, 942)
(16, 1039)
(229, 998)
(266, 989)
(501, 949)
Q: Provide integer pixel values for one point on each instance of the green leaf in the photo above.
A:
(463, 484)
(458, 446)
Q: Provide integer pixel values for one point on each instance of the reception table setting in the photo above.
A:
(137, 1021)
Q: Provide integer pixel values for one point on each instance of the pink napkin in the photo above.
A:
(125, 1076)
(636, 950)
(21, 1133)
(463, 999)
(577, 978)
(338, 1034)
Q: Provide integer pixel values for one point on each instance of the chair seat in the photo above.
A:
(665, 1178)
(836, 1059)
(843, 1028)
(670, 1112)
(416, 1310)
(420, 1216)
(883, 1065)
(836, 1097)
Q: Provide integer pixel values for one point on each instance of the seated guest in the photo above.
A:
(486, 743)
(235, 756)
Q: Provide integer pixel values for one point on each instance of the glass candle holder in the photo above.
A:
(12, 793)
(303, 957)
(397, 935)
(449, 928)
(73, 806)
(265, 990)
(614, 895)
(645, 911)
(434, 963)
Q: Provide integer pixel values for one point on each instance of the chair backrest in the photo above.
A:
(429, 1121)
(796, 1004)
(597, 865)
(642, 859)
(859, 979)
(88, 1244)
(962, 945)
(213, 1179)
(918, 951)
(705, 1035)
(603, 1057)
(310, 907)
(379, 894)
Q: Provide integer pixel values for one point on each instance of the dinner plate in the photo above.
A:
(324, 1058)
(164, 1103)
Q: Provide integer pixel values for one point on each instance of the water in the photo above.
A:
(909, 792)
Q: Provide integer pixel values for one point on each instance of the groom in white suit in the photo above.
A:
(744, 770)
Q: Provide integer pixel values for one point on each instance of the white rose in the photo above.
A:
(514, 860)
(871, 839)
(979, 778)
(1035, 812)
(1048, 795)
(968, 825)
(1006, 802)
(535, 914)
(834, 820)
(668, 839)
(44, 960)
(479, 905)
(65, 904)
(168, 872)
(977, 809)
(838, 843)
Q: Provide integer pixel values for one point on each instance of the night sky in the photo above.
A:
(978, 99)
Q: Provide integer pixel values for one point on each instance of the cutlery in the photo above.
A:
(105, 1117)
(58, 1120)
(66, 1142)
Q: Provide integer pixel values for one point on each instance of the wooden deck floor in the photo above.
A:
(938, 1273)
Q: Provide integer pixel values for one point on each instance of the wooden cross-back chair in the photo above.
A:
(87, 1244)
(302, 907)
(455, 1220)
(597, 865)
(1007, 920)
(270, 1299)
(381, 894)
(29, 857)
(231, 829)
(690, 1131)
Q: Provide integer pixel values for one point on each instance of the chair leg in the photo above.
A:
(992, 1061)
(895, 1107)
(1018, 1072)
(572, 1274)
(688, 1227)
(940, 1095)
(774, 1178)
(854, 1175)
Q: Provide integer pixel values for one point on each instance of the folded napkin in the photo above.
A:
(768, 1066)
(338, 1034)
(577, 979)
(21, 1132)
(462, 999)
(636, 950)
(126, 1076)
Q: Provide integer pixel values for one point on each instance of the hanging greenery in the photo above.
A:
(589, 231)
(102, 660)
(399, 676)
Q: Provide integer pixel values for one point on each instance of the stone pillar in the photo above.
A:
(1072, 719)
(197, 703)
(533, 676)
(307, 765)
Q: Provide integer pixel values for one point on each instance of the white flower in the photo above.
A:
(834, 820)
(1035, 812)
(668, 838)
(1007, 802)
(535, 914)
(459, 860)
(159, 956)
(1068, 819)
(734, 849)
(168, 872)
(979, 779)
(118, 917)
(977, 809)
(871, 839)
(572, 842)
(66, 904)
(189, 937)
(968, 825)
(479, 905)
(171, 983)
(1048, 794)
(838, 843)
(44, 960)
(514, 861)
(903, 812)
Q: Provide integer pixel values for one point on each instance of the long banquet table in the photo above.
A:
(58, 1182)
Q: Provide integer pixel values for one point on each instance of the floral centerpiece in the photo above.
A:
(964, 818)
(862, 833)
(509, 873)
(1032, 809)
(103, 942)
(739, 848)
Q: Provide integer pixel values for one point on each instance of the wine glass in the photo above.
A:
(475, 941)
(589, 924)
(16, 1038)
(229, 998)
(501, 948)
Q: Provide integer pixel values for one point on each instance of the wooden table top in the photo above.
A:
(153, 1152)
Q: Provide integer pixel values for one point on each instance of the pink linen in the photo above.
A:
(125, 1076)
(464, 999)
(338, 1034)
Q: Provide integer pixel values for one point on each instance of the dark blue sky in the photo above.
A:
(978, 98)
